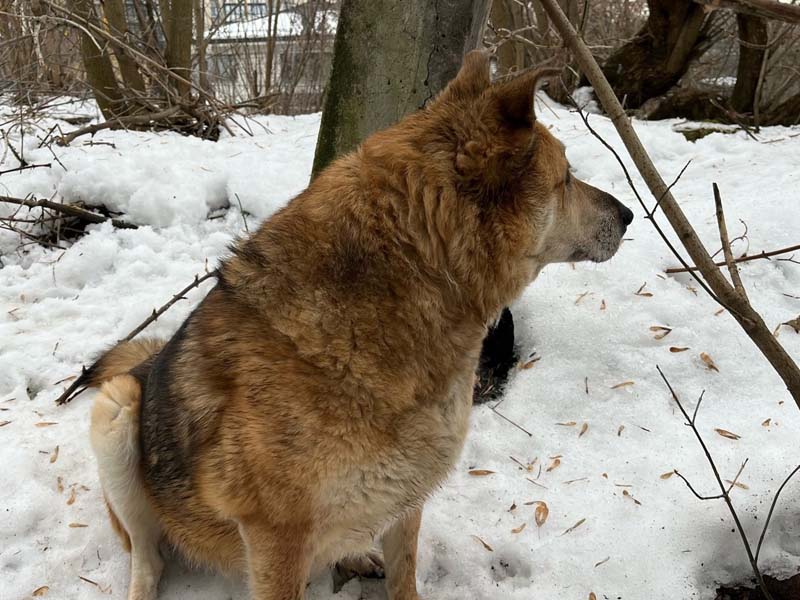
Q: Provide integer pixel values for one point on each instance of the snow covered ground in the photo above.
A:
(603, 429)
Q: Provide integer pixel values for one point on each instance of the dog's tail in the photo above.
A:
(118, 360)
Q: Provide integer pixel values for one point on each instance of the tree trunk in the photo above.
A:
(753, 39)
(115, 15)
(200, 43)
(178, 29)
(390, 57)
(97, 63)
(655, 60)
(507, 15)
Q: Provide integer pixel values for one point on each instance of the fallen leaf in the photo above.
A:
(513, 507)
(584, 429)
(41, 591)
(480, 472)
(602, 305)
(738, 484)
(45, 424)
(554, 465)
(568, 424)
(485, 545)
(620, 430)
(54, 456)
(719, 312)
(678, 349)
(77, 525)
(766, 423)
(639, 292)
(794, 324)
(60, 485)
(660, 332)
(592, 596)
(627, 494)
(727, 434)
(4, 423)
(622, 385)
(541, 513)
(519, 529)
(530, 363)
(708, 362)
(72, 496)
(667, 475)
(574, 527)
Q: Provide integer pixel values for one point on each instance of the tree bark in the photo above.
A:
(115, 15)
(97, 63)
(178, 29)
(768, 9)
(655, 60)
(390, 57)
(753, 39)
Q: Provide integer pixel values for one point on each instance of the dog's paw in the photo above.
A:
(368, 566)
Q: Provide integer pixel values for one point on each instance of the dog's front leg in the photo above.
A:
(278, 559)
(400, 557)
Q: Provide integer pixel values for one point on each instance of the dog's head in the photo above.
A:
(512, 163)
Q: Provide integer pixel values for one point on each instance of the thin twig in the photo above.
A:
(726, 244)
(772, 508)
(742, 259)
(725, 495)
(24, 167)
(119, 122)
(69, 210)
(79, 383)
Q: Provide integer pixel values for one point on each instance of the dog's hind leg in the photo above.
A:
(115, 440)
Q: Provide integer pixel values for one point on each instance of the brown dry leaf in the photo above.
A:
(485, 545)
(582, 296)
(708, 362)
(513, 507)
(602, 305)
(660, 332)
(678, 349)
(480, 472)
(592, 596)
(719, 312)
(627, 494)
(541, 513)
(45, 423)
(766, 423)
(4, 423)
(72, 496)
(622, 385)
(667, 475)
(568, 424)
(574, 527)
(530, 363)
(639, 292)
(519, 529)
(54, 456)
(60, 485)
(727, 434)
(794, 324)
(738, 484)
(77, 525)
(584, 429)
(620, 430)
(41, 591)
(554, 465)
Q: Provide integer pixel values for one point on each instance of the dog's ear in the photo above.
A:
(472, 79)
(514, 97)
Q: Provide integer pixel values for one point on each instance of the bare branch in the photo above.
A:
(742, 259)
(726, 244)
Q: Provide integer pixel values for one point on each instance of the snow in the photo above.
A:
(60, 307)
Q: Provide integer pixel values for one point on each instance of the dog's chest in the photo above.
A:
(399, 474)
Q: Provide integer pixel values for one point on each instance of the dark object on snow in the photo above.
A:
(788, 589)
(498, 356)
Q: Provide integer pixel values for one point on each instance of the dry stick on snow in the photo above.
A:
(79, 383)
(759, 256)
(118, 123)
(67, 209)
(725, 492)
(726, 294)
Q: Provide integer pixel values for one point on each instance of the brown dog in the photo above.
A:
(321, 391)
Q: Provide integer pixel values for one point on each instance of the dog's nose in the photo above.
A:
(625, 214)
